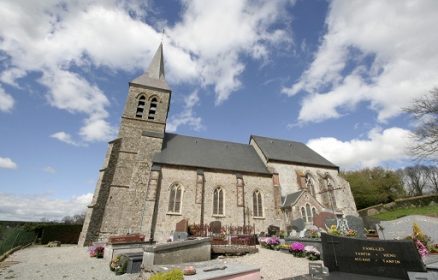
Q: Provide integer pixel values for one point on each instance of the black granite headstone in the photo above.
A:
(273, 230)
(387, 258)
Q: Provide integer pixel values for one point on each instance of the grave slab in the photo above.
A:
(383, 258)
(401, 228)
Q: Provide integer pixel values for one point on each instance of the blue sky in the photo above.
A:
(332, 74)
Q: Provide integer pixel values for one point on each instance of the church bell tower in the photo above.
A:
(119, 201)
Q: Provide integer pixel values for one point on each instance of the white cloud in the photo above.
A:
(381, 52)
(187, 116)
(6, 101)
(217, 34)
(65, 137)
(50, 38)
(7, 163)
(379, 147)
(49, 169)
(96, 130)
(36, 207)
(55, 38)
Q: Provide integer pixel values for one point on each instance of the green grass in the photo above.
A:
(401, 212)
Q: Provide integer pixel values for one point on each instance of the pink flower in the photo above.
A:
(297, 247)
(421, 248)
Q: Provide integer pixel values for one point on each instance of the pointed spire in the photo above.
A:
(156, 68)
(154, 77)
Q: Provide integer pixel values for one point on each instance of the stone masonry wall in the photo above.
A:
(233, 215)
(289, 184)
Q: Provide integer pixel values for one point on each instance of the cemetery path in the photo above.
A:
(274, 264)
(65, 262)
(72, 262)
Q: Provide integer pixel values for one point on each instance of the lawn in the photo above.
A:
(431, 210)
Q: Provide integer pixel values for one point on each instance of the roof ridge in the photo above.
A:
(208, 139)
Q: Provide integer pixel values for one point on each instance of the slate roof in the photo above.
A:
(212, 154)
(290, 151)
(154, 77)
(291, 198)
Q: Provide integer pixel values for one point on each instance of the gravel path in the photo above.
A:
(73, 262)
(57, 263)
(274, 264)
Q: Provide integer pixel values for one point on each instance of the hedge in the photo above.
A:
(13, 237)
(66, 234)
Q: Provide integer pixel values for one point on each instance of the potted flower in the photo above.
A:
(92, 251)
(119, 264)
(273, 242)
(99, 251)
(312, 253)
(351, 233)
(297, 249)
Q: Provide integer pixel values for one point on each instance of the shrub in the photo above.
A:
(175, 274)
(119, 264)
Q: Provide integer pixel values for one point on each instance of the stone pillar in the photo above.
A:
(277, 190)
(154, 190)
(200, 192)
(240, 191)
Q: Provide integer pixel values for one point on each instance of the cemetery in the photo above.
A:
(332, 247)
(335, 247)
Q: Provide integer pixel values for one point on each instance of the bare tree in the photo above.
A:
(415, 179)
(425, 111)
(432, 178)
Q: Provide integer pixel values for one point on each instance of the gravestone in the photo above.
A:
(320, 219)
(273, 230)
(178, 236)
(181, 230)
(356, 223)
(298, 224)
(401, 228)
(182, 226)
(216, 227)
(387, 258)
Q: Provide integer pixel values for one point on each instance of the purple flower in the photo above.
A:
(274, 240)
(297, 247)
(421, 248)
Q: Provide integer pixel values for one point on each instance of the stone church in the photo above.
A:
(151, 179)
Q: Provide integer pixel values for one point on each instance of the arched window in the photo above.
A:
(309, 213)
(140, 107)
(303, 213)
(153, 109)
(218, 201)
(175, 198)
(313, 211)
(257, 204)
(310, 184)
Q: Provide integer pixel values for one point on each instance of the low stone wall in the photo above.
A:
(177, 252)
(112, 250)
(416, 201)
